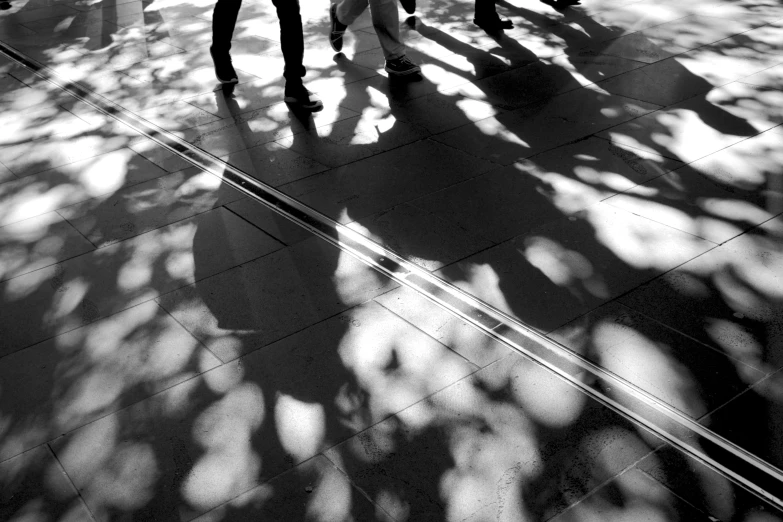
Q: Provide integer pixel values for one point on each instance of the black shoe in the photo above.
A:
(300, 98)
(401, 66)
(337, 30)
(493, 23)
(409, 6)
(224, 71)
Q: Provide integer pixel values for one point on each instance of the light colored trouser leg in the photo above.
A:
(385, 19)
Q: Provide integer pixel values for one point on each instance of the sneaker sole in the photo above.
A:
(309, 107)
(417, 70)
(227, 82)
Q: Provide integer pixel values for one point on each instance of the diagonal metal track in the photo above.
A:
(737, 464)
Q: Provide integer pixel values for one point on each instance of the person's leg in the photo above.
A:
(292, 45)
(386, 21)
(224, 19)
(349, 10)
(291, 39)
(486, 16)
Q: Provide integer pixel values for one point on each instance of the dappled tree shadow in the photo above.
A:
(361, 405)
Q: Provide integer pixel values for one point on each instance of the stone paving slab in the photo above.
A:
(609, 171)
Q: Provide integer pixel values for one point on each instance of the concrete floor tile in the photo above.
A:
(25, 159)
(5, 174)
(89, 5)
(638, 47)
(629, 18)
(437, 112)
(545, 125)
(272, 297)
(561, 270)
(159, 155)
(87, 33)
(264, 413)
(696, 31)
(40, 123)
(274, 164)
(385, 180)
(92, 371)
(353, 139)
(704, 488)
(132, 211)
(71, 183)
(66, 296)
(692, 129)
(509, 443)
(377, 91)
(246, 130)
(728, 60)
(177, 71)
(602, 166)
(272, 223)
(315, 486)
(468, 49)
(589, 67)
(675, 369)
(25, 98)
(521, 86)
(122, 55)
(717, 197)
(32, 15)
(444, 326)
(38, 242)
(508, 201)
(632, 496)
(248, 96)
(35, 487)
(665, 82)
(753, 420)
(771, 78)
(420, 237)
(730, 294)
(176, 116)
(10, 84)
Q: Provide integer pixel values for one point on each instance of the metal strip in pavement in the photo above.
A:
(742, 467)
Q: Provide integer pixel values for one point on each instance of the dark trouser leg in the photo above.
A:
(224, 19)
(485, 10)
(291, 39)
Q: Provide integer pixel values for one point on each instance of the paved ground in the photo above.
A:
(609, 175)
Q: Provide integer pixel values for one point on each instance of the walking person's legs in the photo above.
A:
(224, 19)
(386, 21)
(485, 16)
(292, 45)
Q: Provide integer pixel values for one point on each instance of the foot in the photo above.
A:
(300, 98)
(565, 4)
(224, 71)
(493, 23)
(337, 30)
(409, 6)
(401, 66)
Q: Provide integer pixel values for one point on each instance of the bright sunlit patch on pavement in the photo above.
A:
(301, 426)
(564, 267)
(649, 365)
(229, 462)
(107, 173)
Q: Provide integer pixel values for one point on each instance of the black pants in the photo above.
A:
(485, 9)
(224, 20)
